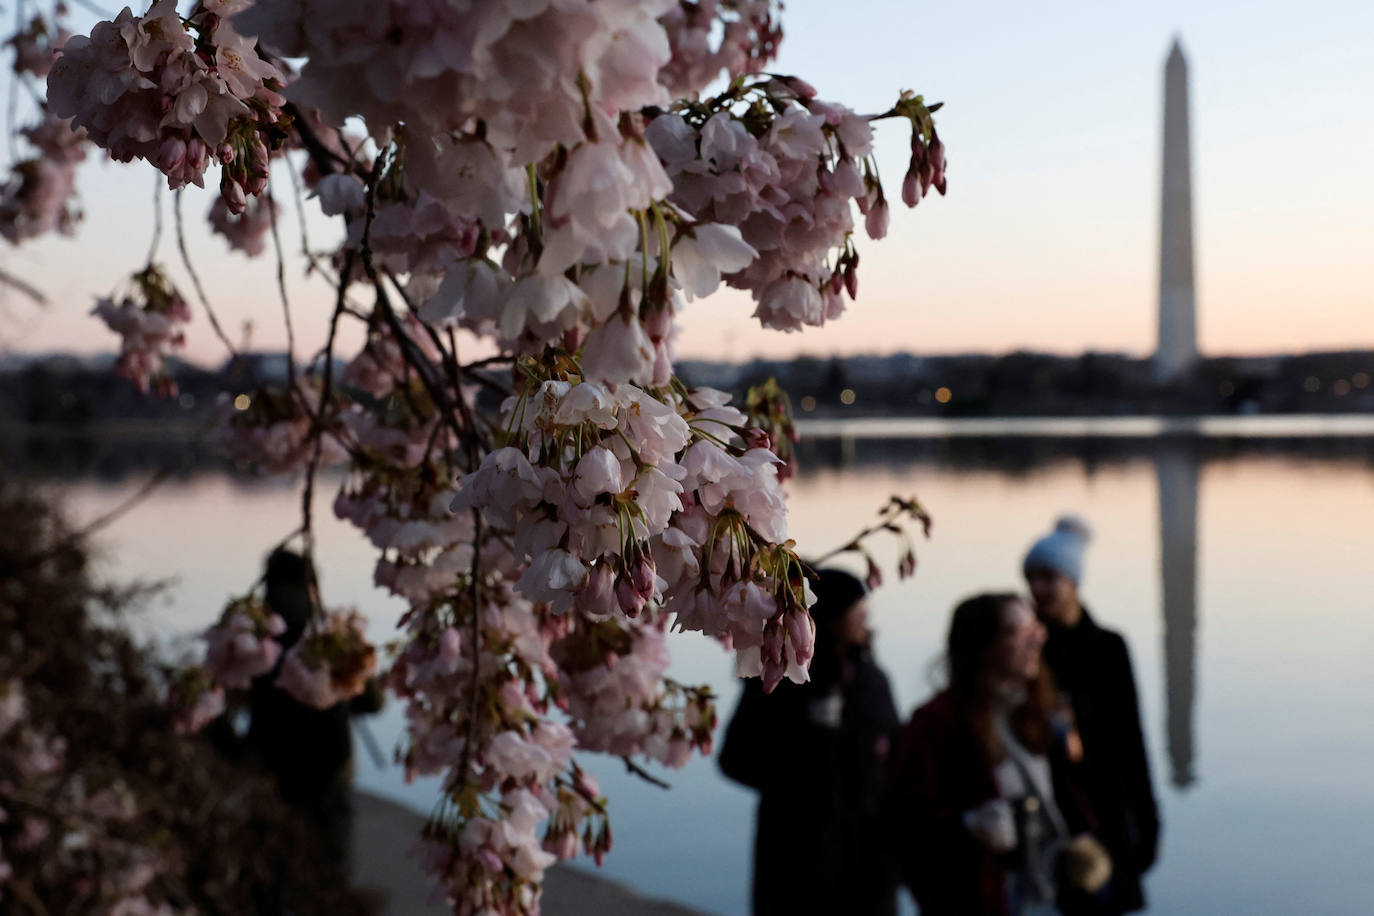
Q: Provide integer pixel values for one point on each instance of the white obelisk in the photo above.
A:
(1176, 354)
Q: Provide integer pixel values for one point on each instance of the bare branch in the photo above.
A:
(195, 279)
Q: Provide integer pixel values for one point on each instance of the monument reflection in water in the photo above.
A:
(1176, 469)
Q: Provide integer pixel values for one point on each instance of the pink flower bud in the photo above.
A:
(562, 844)
(911, 187)
(659, 323)
(196, 153)
(644, 575)
(801, 633)
(851, 281)
(631, 601)
(874, 578)
(772, 674)
(231, 192)
(171, 155)
(757, 438)
(937, 154)
(773, 641)
(876, 221)
(224, 153)
(598, 596)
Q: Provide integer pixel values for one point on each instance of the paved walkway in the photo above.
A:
(385, 831)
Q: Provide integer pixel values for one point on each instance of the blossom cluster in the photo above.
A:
(331, 662)
(148, 318)
(243, 645)
(176, 92)
(548, 179)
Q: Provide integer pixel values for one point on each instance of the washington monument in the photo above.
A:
(1176, 353)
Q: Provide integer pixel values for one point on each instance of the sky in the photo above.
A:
(1048, 237)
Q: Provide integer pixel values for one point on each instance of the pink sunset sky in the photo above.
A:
(1048, 237)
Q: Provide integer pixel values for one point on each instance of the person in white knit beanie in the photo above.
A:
(1091, 666)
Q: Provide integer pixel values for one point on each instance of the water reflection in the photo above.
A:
(1176, 469)
(1285, 578)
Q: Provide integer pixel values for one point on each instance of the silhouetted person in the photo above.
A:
(816, 752)
(308, 750)
(1092, 666)
(986, 818)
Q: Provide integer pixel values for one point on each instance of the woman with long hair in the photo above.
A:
(988, 821)
(816, 753)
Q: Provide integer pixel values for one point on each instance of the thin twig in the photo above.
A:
(325, 159)
(326, 392)
(195, 279)
(157, 217)
(23, 286)
(281, 287)
(636, 770)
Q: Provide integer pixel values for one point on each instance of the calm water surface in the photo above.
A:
(1239, 571)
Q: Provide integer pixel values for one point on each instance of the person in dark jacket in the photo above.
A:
(308, 750)
(1092, 667)
(816, 753)
(986, 818)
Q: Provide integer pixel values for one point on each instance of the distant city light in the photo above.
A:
(1360, 380)
(242, 402)
(1341, 388)
(808, 403)
(847, 397)
(1312, 385)
(943, 395)
(1226, 389)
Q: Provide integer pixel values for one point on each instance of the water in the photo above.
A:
(1251, 647)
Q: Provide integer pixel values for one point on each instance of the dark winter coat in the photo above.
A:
(1092, 666)
(940, 771)
(818, 846)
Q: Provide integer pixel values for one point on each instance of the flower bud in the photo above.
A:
(874, 578)
(224, 153)
(644, 576)
(876, 221)
(631, 601)
(911, 187)
(598, 598)
(658, 324)
(231, 192)
(757, 438)
(937, 154)
(801, 633)
(773, 641)
(562, 843)
(171, 155)
(196, 152)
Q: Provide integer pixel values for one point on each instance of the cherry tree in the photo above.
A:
(545, 186)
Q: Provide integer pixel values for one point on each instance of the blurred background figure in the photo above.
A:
(308, 750)
(1091, 665)
(987, 819)
(817, 754)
